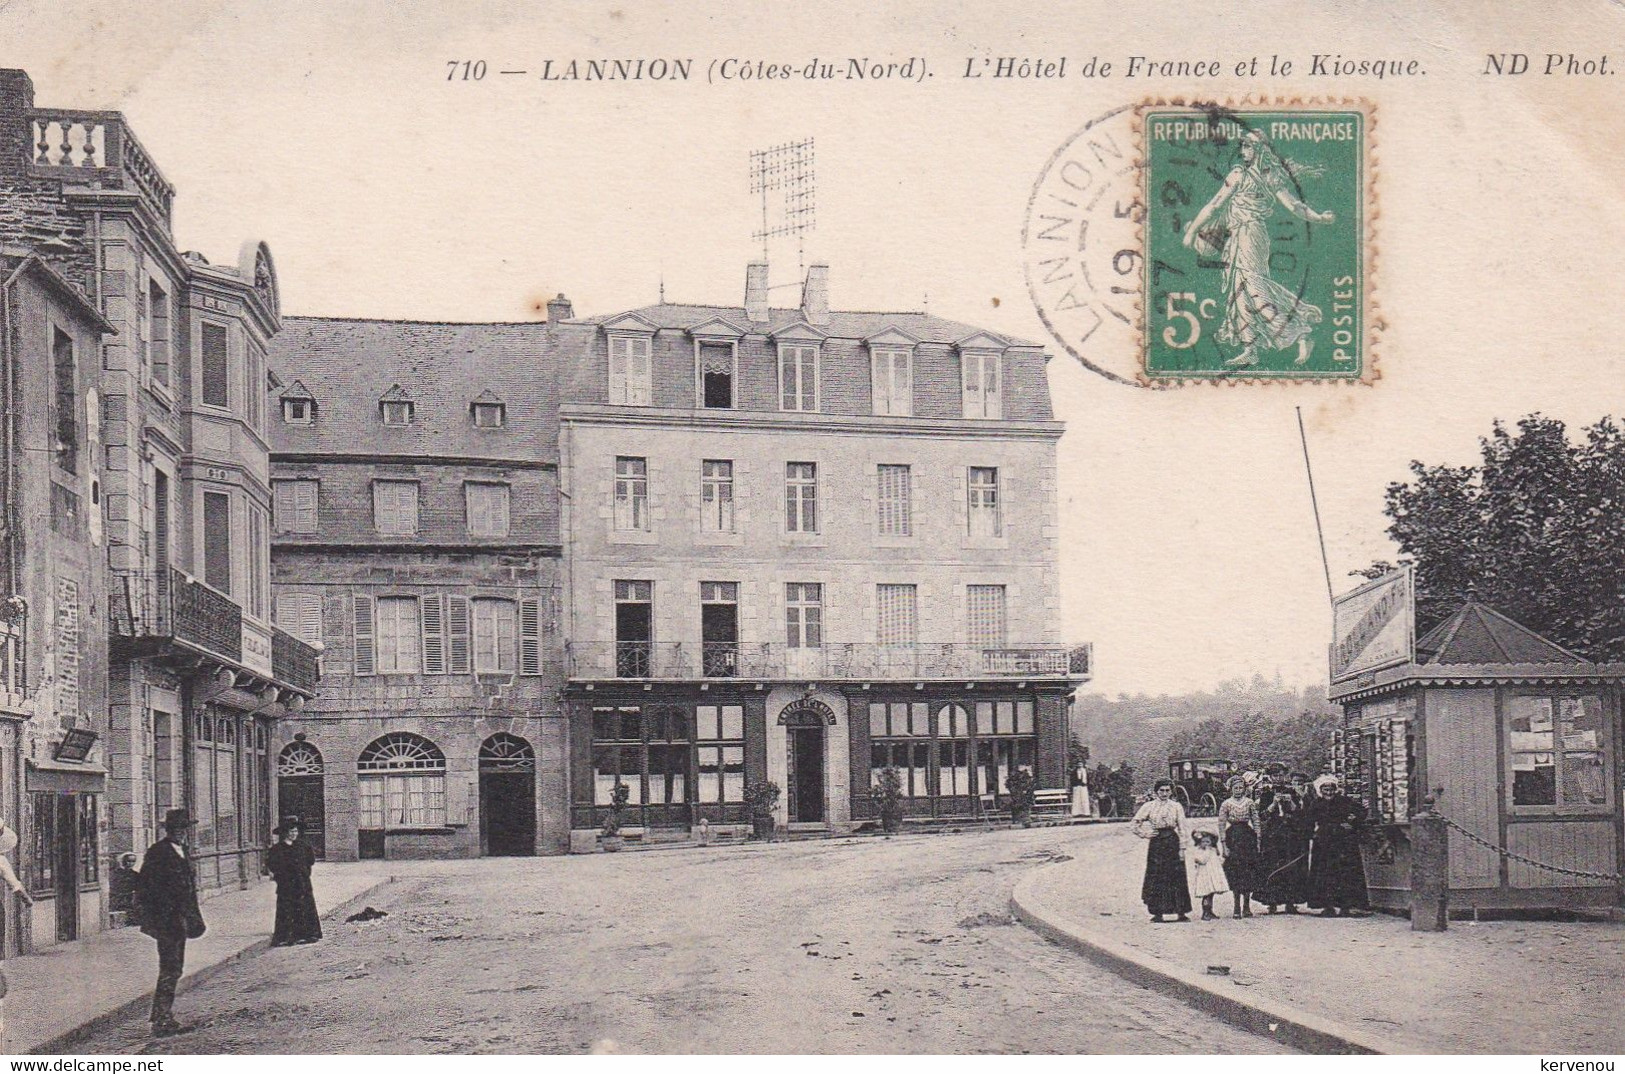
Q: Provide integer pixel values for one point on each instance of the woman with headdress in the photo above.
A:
(1336, 873)
(1258, 311)
(1283, 848)
(290, 860)
(1238, 835)
(1162, 821)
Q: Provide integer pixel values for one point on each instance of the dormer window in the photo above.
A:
(798, 376)
(716, 363)
(981, 362)
(396, 406)
(891, 365)
(489, 412)
(298, 411)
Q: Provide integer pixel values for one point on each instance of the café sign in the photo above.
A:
(1374, 626)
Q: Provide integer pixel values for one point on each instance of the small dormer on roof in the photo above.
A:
(488, 410)
(799, 332)
(395, 406)
(297, 390)
(892, 336)
(982, 341)
(716, 328)
(631, 322)
(298, 405)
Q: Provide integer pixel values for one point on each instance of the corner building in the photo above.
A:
(805, 545)
(417, 542)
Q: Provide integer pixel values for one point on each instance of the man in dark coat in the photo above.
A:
(289, 861)
(1336, 871)
(167, 889)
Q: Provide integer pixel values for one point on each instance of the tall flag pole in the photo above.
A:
(1314, 503)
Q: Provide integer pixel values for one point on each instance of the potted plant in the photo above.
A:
(1020, 785)
(611, 839)
(763, 799)
(889, 793)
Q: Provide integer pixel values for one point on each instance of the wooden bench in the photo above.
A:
(1052, 801)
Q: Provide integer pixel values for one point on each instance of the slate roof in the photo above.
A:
(845, 324)
(1478, 634)
(348, 366)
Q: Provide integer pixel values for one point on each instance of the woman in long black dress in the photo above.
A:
(1336, 872)
(1162, 821)
(1238, 834)
(1284, 850)
(290, 860)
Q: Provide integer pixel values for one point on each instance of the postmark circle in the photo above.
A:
(1082, 249)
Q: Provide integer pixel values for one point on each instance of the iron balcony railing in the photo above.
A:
(166, 604)
(294, 662)
(768, 660)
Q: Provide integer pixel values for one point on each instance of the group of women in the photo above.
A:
(1281, 846)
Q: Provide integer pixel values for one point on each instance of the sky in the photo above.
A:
(331, 131)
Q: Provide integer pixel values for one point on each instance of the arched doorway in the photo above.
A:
(507, 796)
(806, 724)
(299, 791)
(402, 782)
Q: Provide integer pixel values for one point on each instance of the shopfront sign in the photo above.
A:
(1374, 626)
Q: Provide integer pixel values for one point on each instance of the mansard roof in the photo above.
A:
(353, 364)
(843, 324)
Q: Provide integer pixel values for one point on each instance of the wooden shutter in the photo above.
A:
(618, 370)
(285, 513)
(304, 506)
(434, 635)
(366, 652)
(530, 636)
(310, 618)
(457, 635)
(287, 611)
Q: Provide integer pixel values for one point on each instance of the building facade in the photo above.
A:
(417, 542)
(805, 545)
(177, 493)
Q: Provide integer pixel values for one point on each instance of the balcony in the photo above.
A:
(293, 662)
(155, 607)
(860, 661)
(96, 148)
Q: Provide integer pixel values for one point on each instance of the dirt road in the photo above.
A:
(903, 945)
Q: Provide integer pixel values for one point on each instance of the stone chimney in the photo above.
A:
(559, 309)
(815, 295)
(16, 132)
(756, 303)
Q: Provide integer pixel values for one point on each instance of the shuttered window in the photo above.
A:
(899, 622)
(399, 636)
(985, 611)
(217, 540)
(434, 634)
(395, 507)
(629, 370)
(487, 505)
(494, 623)
(216, 364)
(530, 636)
(300, 614)
(895, 501)
(295, 506)
(458, 647)
(366, 647)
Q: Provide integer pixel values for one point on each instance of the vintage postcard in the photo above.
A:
(735, 528)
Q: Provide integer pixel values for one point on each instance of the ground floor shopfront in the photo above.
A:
(425, 787)
(686, 751)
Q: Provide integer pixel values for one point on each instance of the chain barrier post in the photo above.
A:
(1430, 867)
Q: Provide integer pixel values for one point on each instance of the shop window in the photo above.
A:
(42, 848)
(646, 749)
(90, 857)
(900, 738)
(402, 783)
(1557, 750)
(720, 736)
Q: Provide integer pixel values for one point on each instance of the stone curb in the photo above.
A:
(64, 1041)
(1277, 1021)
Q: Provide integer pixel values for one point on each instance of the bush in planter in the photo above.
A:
(1020, 785)
(617, 816)
(763, 799)
(888, 791)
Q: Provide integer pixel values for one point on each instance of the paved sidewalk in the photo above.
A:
(66, 989)
(1345, 984)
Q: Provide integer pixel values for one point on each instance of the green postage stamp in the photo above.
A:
(1257, 243)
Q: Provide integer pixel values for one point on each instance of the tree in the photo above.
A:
(1536, 530)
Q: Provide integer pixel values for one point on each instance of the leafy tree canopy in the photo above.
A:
(1536, 529)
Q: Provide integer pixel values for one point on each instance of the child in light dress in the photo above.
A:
(1209, 872)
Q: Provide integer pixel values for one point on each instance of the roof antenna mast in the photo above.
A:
(783, 176)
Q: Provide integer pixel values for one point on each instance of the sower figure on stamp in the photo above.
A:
(1259, 312)
(167, 889)
(289, 861)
